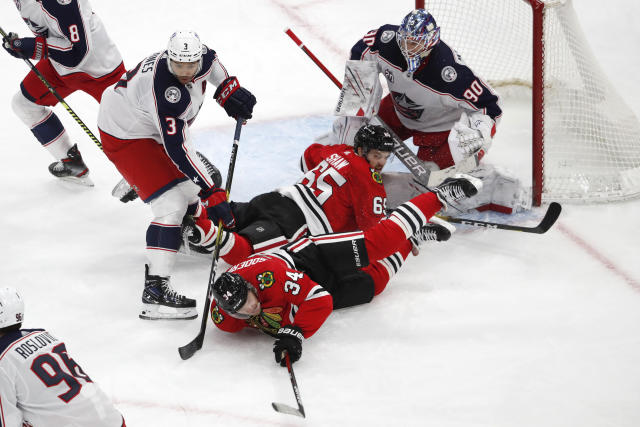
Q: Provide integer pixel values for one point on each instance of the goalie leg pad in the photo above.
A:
(501, 192)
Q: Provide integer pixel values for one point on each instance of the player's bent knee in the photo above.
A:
(29, 112)
(170, 207)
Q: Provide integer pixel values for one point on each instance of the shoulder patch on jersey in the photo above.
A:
(216, 316)
(377, 177)
(457, 57)
(266, 279)
(64, 2)
(449, 74)
(387, 36)
(172, 94)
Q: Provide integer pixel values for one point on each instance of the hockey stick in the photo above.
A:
(286, 409)
(189, 350)
(550, 217)
(58, 97)
(424, 176)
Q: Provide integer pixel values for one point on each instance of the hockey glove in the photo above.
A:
(237, 101)
(289, 339)
(26, 47)
(215, 201)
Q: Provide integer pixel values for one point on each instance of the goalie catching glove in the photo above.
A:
(470, 135)
(289, 339)
(237, 101)
(26, 47)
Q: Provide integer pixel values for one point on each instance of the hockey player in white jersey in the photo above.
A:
(436, 99)
(74, 53)
(40, 384)
(144, 124)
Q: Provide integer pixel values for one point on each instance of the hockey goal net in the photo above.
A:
(586, 140)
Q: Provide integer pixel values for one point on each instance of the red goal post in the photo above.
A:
(585, 139)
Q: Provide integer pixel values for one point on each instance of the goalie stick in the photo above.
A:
(188, 350)
(550, 217)
(286, 409)
(423, 175)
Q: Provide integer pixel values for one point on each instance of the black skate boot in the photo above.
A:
(72, 168)
(461, 186)
(160, 301)
(436, 230)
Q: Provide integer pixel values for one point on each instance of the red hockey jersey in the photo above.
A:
(287, 296)
(339, 191)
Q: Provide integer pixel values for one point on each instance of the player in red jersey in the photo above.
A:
(342, 190)
(286, 294)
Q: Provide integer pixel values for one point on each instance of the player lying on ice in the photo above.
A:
(342, 190)
(288, 294)
(435, 98)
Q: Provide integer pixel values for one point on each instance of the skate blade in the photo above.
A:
(82, 180)
(162, 312)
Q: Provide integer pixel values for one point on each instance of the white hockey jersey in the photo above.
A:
(76, 38)
(432, 98)
(150, 102)
(41, 385)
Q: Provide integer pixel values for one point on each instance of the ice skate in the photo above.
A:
(72, 168)
(460, 187)
(160, 301)
(436, 230)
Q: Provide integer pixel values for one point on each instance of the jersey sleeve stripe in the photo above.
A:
(316, 292)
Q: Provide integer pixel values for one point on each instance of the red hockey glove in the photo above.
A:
(289, 339)
(215, 201)
(237, 101)
(26, 47)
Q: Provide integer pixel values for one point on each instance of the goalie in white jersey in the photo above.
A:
(436, 99)
(74, 53)
(144, 124)
(40, 384)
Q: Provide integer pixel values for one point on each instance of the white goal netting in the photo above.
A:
(591, 138)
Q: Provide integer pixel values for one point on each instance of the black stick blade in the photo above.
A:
(286, 409)
(550, 217)
(186, 351)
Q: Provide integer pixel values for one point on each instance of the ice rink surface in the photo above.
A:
(492, 328)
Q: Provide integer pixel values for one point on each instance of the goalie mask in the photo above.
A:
(11, 307)
(373, 137)
(184, 46)
(230, 292)
(417, 35)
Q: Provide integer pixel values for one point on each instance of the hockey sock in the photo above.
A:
(44, 124)
(163, 241)
(389, 235)
(383, 270)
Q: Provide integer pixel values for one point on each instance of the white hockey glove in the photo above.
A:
(469, 135)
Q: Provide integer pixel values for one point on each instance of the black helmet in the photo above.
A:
(230, 292)
(373, 137)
